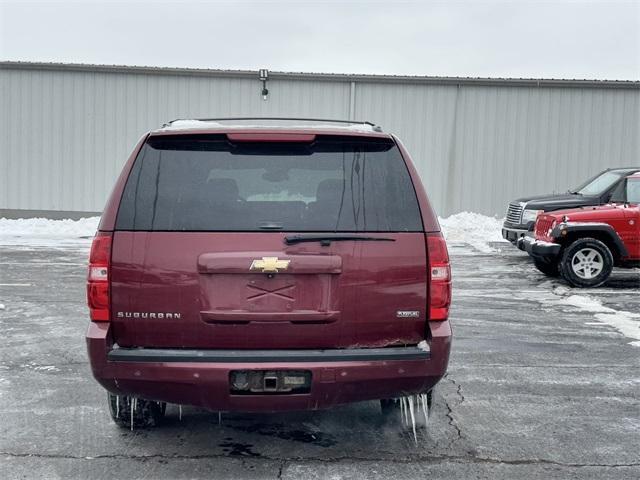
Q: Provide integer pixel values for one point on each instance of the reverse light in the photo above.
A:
(439, 277)
(98, 277)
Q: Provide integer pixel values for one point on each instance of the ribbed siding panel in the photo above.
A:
(64, 135)
(477, 148)
(67, 134)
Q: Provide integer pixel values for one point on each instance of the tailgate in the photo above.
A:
(205, 295)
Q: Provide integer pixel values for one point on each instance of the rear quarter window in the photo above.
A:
(206, 183)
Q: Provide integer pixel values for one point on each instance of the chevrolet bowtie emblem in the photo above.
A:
(269, 264)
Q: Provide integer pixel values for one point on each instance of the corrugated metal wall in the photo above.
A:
(64, 135)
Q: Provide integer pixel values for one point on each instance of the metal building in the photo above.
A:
(66, 130)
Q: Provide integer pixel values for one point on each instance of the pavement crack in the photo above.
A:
(449, 414)
(441, 458)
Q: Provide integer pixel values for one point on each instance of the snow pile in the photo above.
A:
(473, 229)
(42, 231)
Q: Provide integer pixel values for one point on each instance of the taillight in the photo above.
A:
(98, 277)
(439, 277)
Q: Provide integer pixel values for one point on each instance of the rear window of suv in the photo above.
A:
(206, 183)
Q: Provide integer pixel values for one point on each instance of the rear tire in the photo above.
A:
(550, 269)
(586, 263)
(146, 413)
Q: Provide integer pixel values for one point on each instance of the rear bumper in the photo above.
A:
(541, 250)
(201, 378)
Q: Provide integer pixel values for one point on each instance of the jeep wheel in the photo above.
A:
(587, 262)
(130, 412)
(550, 269)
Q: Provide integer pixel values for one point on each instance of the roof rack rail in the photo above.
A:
(373, 126)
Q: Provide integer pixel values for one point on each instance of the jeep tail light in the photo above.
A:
(439, 277)
(98, 277)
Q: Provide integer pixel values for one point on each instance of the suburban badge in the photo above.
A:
(159, 315)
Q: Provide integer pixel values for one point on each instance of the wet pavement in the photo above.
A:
(537, 388)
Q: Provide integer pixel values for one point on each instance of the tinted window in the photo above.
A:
(600, 184)
(633, 191)
(204, 183)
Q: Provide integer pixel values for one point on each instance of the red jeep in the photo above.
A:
(267, 266)
(584, 244)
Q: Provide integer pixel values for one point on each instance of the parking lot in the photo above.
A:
(543, 382)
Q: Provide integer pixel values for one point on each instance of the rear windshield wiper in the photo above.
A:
(327, 239)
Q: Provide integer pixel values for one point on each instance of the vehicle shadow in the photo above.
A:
(621, 279)
(352, 431)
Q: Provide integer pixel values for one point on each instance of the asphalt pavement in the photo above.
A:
(536, 388)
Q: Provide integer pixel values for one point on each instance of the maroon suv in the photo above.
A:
(265, 267)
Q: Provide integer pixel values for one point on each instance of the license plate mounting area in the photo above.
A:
(251, 382)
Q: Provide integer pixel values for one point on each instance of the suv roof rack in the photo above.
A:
(374, 127)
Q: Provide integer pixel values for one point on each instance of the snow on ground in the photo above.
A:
(460, 229)
(467, 228)
(588, 304)
(45, 232)
(627, 323)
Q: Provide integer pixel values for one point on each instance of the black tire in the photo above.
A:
(550, 269)
(146, 413)
(587, 262)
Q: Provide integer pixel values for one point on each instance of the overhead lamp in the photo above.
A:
(263, 74)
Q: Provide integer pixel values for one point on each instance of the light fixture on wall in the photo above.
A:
(263, 73)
